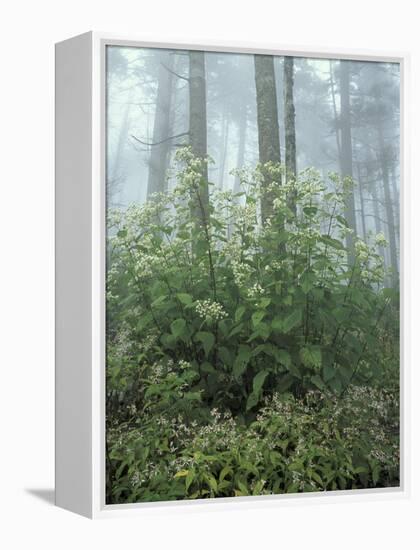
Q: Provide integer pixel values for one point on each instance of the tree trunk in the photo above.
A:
(384, 162)
(159, 156)
(198, 129)
(396, 199)
(241, 149)
(289, 126)
(224, 145)
(268, 126)
(376, 215)
(362, 202)
(240, 158)
(334, 104)
(115, 175)
(346, 160)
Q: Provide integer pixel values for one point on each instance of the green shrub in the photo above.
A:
(222, 312)
(316, 443)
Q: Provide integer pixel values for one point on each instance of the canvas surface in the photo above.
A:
(252, 275)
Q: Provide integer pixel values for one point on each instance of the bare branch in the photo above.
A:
(159, 142)
(175, 74)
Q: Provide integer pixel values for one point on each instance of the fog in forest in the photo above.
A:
(347, 121)
(252, 275)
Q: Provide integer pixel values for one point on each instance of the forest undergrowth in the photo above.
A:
(248, 352)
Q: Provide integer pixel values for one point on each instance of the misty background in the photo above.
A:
(148, 119)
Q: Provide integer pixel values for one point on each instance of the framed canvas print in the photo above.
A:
(229, 258)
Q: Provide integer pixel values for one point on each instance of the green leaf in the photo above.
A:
(185, 299)
(310, 211)
(293, 369)
(257, 317)
(189, 479)
(236, 330)
(193, 396)
(226, 470)
(178, 327)
(311, 356)
(168, 341)
(317, 478)
(241, 361)
(225, 355)
(211, 482)
(251, 401)
(144, 321)
(328, 372)
(317, 381)
(283, 357)
(243, 489)
(224, 328)
(375, 473)
(207, 368)
(258, 381)
(277, 324)
(342, 220)
(292, 320)
(262, 331)
(262, 348)
(284, 383)
(158, 301)
(239, 313)
(335, 384)
(329, 241)
(264, 302)
(207, 339)
(181, 473)
(341, 313)
(307, 282)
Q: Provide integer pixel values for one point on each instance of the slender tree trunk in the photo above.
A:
(159, 156)
(334, 104)
(224, 145)
(198, 127)
(115, 175)
(346, 160)
(268, 126)
(395, 196)
(384, 162)
(241, 149)
(289, 126)
(289, 115)
(376, 213)
(240, 158)
(362, 202)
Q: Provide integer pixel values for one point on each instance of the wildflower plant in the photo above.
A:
(214, 311)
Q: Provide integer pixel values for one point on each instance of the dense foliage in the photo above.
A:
(247, 357)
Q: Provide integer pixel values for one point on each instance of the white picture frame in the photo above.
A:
(80, 276)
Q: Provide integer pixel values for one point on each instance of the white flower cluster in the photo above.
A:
(157, 372)
(362, 250)
(144, 263)
(123, 341)
(190, 176)
(279, 202)
(241, 272)
(276, 265)
(247, 215)
(380, 240)
(209, 309)
(184, 364)
(149, 341)
(311, 188)
(255, 291)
